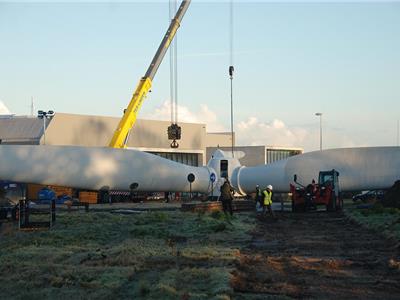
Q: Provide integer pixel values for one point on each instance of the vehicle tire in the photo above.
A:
(298, 207)
(330, 207)
(339, 207)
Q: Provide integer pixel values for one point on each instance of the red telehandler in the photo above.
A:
(326, 192)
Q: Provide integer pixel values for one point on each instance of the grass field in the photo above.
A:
(379, 218)
(150, 255)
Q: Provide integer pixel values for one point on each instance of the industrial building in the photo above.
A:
(251, 156)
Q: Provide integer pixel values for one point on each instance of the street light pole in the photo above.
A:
(45, 115)
(44, 131)
(318, 114)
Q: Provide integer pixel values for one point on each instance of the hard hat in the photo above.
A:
(269, 187)
(257, 185)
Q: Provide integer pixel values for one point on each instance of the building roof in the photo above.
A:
(97, 131)
(15, 130)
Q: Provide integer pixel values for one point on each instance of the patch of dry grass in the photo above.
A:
(155, 255)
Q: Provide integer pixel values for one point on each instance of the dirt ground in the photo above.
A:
(318, 256)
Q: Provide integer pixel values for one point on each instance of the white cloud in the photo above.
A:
(3, 109)
(205, 115)
(254, 132)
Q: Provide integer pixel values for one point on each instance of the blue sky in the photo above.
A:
(291, 60)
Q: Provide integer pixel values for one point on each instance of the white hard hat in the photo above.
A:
(269, 187)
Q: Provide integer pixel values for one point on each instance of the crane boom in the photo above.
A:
(120, 136)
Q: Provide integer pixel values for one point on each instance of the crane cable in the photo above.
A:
(231, 69)
(173, 69)
(176, 70)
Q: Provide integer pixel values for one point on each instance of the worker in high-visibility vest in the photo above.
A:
(267, 194)
(259, 199)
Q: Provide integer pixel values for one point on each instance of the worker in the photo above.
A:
(226, 197)
(314, 185)
(313, 188)
(267, 193)
(166, 197)
(309, 196)
(259, 199)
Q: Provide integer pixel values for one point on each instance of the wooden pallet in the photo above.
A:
(88, 197)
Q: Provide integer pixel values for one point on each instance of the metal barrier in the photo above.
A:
(25, 212)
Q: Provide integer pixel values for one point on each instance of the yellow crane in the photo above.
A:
(121, 134)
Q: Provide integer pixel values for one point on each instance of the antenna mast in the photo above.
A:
(32, 106)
